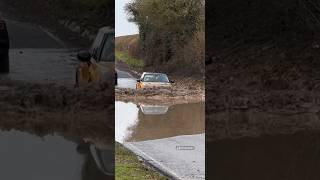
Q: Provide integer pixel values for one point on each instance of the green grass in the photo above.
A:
(130, 61)
(129, 167)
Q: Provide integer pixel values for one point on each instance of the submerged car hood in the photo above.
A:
(156, 84)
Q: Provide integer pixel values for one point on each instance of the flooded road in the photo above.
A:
(141, 122)
(169, 137)
(128, 83)
(38, 56)
(43, 66)
(25, 156)
(125, 79)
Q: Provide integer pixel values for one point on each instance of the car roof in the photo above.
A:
(106, 29)
(151, 73)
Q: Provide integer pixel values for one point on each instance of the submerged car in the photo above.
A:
(153, 80)
(4, 47)
(97, 64)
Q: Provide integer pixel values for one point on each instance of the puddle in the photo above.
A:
(142, 122)
(129, 83)
(277, 157)
(25, 156)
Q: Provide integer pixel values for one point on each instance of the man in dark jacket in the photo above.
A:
(4, 47)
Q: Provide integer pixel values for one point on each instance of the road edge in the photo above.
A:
(155, 165)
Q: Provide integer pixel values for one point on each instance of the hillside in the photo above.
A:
(129, 44)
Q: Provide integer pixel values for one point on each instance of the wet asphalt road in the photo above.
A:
(180, 157)
(125, 79)
(38, 56)
(26, 35)
(169, 138)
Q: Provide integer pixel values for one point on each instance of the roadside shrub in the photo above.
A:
(167, 29)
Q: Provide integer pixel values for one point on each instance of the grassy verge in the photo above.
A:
(128, 167)
(130, 61)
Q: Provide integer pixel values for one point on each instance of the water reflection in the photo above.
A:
(278, 157)
(148, 109)
(141, 122)
(25, 156)
(259, 145)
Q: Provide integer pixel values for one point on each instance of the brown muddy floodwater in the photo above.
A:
(142, 122)
(25, 156)
(264, 146)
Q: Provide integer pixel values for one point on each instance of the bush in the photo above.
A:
(167, 29)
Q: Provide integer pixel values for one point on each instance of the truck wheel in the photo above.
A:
(4, 64)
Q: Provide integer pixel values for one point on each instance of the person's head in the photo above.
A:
(84, 56)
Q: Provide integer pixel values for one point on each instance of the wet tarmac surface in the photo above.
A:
(169, 137)
(27, 35)
(180, 157)
(25, 156)
(43, 66)
(38, 56)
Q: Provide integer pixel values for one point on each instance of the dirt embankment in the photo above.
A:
(262, 56)
(44, 109)
(266, 78)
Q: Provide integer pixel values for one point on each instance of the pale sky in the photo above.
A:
(123, 26)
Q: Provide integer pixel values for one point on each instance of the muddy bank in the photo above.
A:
(239, 124)
(46, 108)
(265, 77)
(186, 90)
(268, 63)
(268, 78)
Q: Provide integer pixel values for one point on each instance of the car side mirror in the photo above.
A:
(138, 80)
(172, 82)
(84, 56)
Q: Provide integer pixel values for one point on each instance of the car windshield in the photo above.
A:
(108, 50)
(155, 78)
(97, 41)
